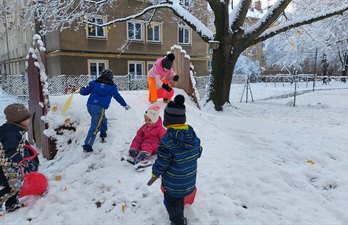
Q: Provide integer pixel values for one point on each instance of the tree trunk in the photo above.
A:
(223, 64)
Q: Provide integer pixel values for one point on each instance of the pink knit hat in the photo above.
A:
(153, 113)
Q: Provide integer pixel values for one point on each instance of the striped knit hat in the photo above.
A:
(175, 111)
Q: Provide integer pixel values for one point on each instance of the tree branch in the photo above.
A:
(179, 11)
(95, 2)
(240, 14)
(266, 21)
(205, 33)
(297, 23)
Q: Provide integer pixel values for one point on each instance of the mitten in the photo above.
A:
(29, 166)
(166, 87)
(126, 107)
(176, 77)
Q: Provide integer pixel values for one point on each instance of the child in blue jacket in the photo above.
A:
(100, 92)
(176, 160)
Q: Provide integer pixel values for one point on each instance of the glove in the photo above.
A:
(29, 166)
(78, 90)
(166, 87)
(176, 77)
(126, 107)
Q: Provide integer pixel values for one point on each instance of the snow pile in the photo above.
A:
(262, 163)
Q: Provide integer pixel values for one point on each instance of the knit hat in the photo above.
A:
(107, 73)
(174, 113)
(153, 113)
(167, 61)
(16, 113)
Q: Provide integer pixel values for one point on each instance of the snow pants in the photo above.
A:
(11, 182)
(155, 93)
(98, 123)
(175, 209)
(151, 148)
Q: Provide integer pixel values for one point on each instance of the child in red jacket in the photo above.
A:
(146, 141)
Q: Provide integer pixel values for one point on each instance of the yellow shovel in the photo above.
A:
(67, 103)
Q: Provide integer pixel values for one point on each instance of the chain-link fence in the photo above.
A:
(17, 85)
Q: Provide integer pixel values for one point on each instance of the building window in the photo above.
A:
(245, 26)
(263, 45)
(95, 67)
(150, 64)
(135, 30)
(254, 52)
(96, 31)
(185, 3)
(136, 69)
(263, 57)
(184, 35)
(154, 32)
(210, 66)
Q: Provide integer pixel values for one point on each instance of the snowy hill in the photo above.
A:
(262, 163)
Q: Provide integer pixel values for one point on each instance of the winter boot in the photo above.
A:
(11, 204)
(142, 160)
(103, 136)
(87, 148)
(132, 154)
(184, 222)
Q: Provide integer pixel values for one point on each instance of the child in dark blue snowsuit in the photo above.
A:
(12, 152)
(100, 92)
(176, 160)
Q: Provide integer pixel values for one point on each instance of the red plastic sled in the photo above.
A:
(34, 184)
(188, 199)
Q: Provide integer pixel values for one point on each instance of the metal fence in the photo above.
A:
(17, 85)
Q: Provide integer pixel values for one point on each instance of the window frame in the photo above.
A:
(97, 61)
(141, 29)
(254, 52)
(94, 27)
(189, 32)
(160, 32)
(136, 76)
(148, 63)
(245, 25)
(185, 3)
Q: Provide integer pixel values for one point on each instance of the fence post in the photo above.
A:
(128, 81)
(181, 66)
(295, 90)
(36, 98)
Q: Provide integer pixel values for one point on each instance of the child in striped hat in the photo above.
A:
(176, 161)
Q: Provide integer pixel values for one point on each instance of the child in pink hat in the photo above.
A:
(147, 139)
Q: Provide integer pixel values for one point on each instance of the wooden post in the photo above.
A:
(181, 66)
(38, 107)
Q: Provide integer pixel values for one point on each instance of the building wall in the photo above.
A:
(68, 51)
(75, 47)
(15, 41)
(256, 52)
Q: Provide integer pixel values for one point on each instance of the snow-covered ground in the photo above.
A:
(265, 162)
